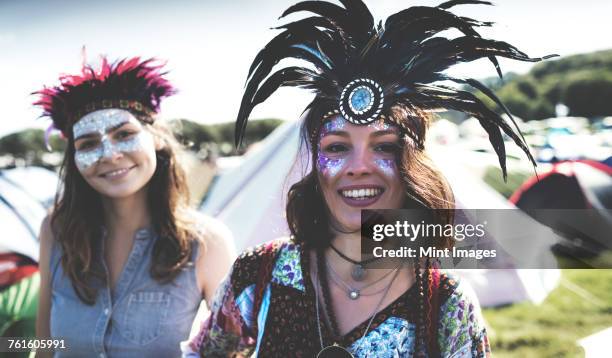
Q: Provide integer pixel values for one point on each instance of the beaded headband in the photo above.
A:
(136, 108)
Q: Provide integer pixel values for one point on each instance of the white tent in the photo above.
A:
(24, 195)
(39, 183)
(250, 200)
(597, 345)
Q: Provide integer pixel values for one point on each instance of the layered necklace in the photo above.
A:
(336, 351)
(358, 272)
(352, 292)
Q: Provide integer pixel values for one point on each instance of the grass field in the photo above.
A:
(580, 306)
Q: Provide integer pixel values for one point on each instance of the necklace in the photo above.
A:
(336, 351)
(355, 293)
(358, 273)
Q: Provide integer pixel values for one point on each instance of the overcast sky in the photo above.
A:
(209, 45)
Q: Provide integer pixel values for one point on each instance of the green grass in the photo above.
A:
(580, 306)
(602, 260)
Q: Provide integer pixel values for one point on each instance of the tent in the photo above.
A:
(585, 184)
(250, 198)
(597, 344)
(25, 194)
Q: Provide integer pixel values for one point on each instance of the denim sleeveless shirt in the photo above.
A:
(140, 318)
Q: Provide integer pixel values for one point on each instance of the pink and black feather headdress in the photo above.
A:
(132, 84)
(361, 70)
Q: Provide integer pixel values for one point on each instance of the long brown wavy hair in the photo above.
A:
(310, 220)
(78, 218)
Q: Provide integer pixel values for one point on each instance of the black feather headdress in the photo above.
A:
(361, 70)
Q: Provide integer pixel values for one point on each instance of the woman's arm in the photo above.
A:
(221, 332)
(44, 301)
(224, 333)
(215, 258)
(462, 331)
(231, 330)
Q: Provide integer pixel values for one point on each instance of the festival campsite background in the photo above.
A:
(563, 106)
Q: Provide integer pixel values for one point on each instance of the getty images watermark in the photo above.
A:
(405, 230)
(489, 238)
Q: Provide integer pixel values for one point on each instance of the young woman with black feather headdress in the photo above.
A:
(375, 88)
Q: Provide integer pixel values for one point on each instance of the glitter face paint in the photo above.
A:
(353, 157)
(382, 125)
(387, 166)
(99, 123)
(326, 165)
(330, 167)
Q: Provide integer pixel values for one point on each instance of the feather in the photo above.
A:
(433, 97)
(451, 3)
(290, 76)
(130, 79)
(282, 44)
(438, 20)
(407, 58)
(333, 12)
(487, 92)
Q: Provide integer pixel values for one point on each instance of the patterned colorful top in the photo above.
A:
(286, 324)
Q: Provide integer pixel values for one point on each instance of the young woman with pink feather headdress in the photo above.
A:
(124, 262)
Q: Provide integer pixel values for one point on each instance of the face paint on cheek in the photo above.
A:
(98, 122)
(329, 167)
(85, 159)
(387, 166)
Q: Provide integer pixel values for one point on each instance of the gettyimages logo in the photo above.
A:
(423, 230)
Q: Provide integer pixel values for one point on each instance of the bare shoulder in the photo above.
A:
(215, 255)
(45, 235)
(213, 235)
(46, 241)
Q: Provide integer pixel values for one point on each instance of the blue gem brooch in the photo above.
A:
(361, 101)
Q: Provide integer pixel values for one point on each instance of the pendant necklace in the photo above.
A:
(352, 292)
(358, 272)
(336, 351)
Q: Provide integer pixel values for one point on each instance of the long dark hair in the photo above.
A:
(78, 217)
(310, 220)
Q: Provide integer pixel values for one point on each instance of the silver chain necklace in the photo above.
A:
(352, 292)
(336, 350)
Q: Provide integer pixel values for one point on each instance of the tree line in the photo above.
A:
(207, 140)
(581, 82)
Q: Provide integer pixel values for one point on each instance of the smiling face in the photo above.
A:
(114, 153)
(358, 169)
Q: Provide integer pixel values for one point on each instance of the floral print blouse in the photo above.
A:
(285, 324)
